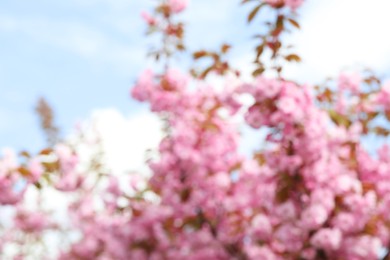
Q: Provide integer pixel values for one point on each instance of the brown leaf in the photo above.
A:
(225, 48)
(199, 54)
(24, 171)
(339, 119)
(259, 51)
(293, 57)
(46, 151)
(25, 154)
(258, 71)
(205, 72)
(180, 47)
(280, 21)
(294, 23)
(381, 131)
(254, 12)
(245, 1)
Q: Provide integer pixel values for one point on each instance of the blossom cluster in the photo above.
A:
(311, 190)
(315, 192)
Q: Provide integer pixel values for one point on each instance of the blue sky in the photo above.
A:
(84, 55)
(81, 55)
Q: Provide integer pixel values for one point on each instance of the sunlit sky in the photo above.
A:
(84, 55)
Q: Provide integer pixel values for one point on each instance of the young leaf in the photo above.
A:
(259, 51)
(245, 1)
(225, 48)
(339, 119)
(293, 57)
(258, 71)
(253, 13)
(199, 54)
(294, 23)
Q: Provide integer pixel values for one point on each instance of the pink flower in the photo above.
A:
(222, 180)
(36, 169)
(345, 183)
(289, 238)
(327, 239)
(268, 88)
(383, 96)
(262, 227)
(324, 197)
(346, 222)
(314, 216)
(254, 117)
(293, 4)
(274, 2)
(350, 82)
(144, 87)
(87, 248)
(150, 20)
(260, 252)
(30, 221)
(287, 105)
(363, 247)
(177, 6)
(286, 211)
(176, 80)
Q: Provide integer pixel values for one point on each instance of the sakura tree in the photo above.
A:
(311, 190)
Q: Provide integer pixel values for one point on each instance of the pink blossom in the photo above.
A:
(143, 89)
(346, 222)
(36, 169)
(177, 6)
(293, 4)
(149, 19)
(286, 211)
(383, 96)
(274, 2)
(289, 238)
(327, 239)
(363, 247)
(176, 81)
(287, 105)
(350, 82)
(314, 216)
(262, 227)
(260, 252)
(30, 221)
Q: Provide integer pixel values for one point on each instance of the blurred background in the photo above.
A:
(84, 55)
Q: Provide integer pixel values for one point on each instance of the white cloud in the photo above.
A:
(339, 34)
(125, 139)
